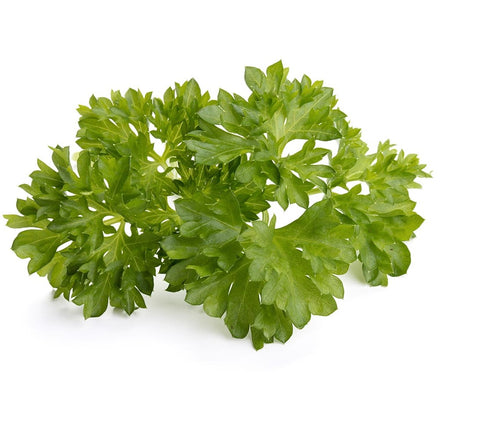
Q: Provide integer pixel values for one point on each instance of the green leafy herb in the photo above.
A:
(182, 186)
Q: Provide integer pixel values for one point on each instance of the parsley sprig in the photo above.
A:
(183, 185)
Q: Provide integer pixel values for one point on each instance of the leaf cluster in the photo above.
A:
(183, 186)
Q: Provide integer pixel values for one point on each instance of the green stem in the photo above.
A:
(159, 159)
(315, 191)
(265, 216)
(113, 220)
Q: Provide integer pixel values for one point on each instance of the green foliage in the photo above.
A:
(182, 185)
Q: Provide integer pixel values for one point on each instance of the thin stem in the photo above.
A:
(265, 216)
(159, 159)
(113, 220)
(315, 191)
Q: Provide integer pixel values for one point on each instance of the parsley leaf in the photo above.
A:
(296, 263)
(183, 185)
(77, 244)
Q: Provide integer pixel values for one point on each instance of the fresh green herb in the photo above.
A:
(182, 186)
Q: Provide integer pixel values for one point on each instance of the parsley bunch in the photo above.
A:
(182, 186)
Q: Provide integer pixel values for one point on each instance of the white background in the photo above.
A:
(407, 71)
